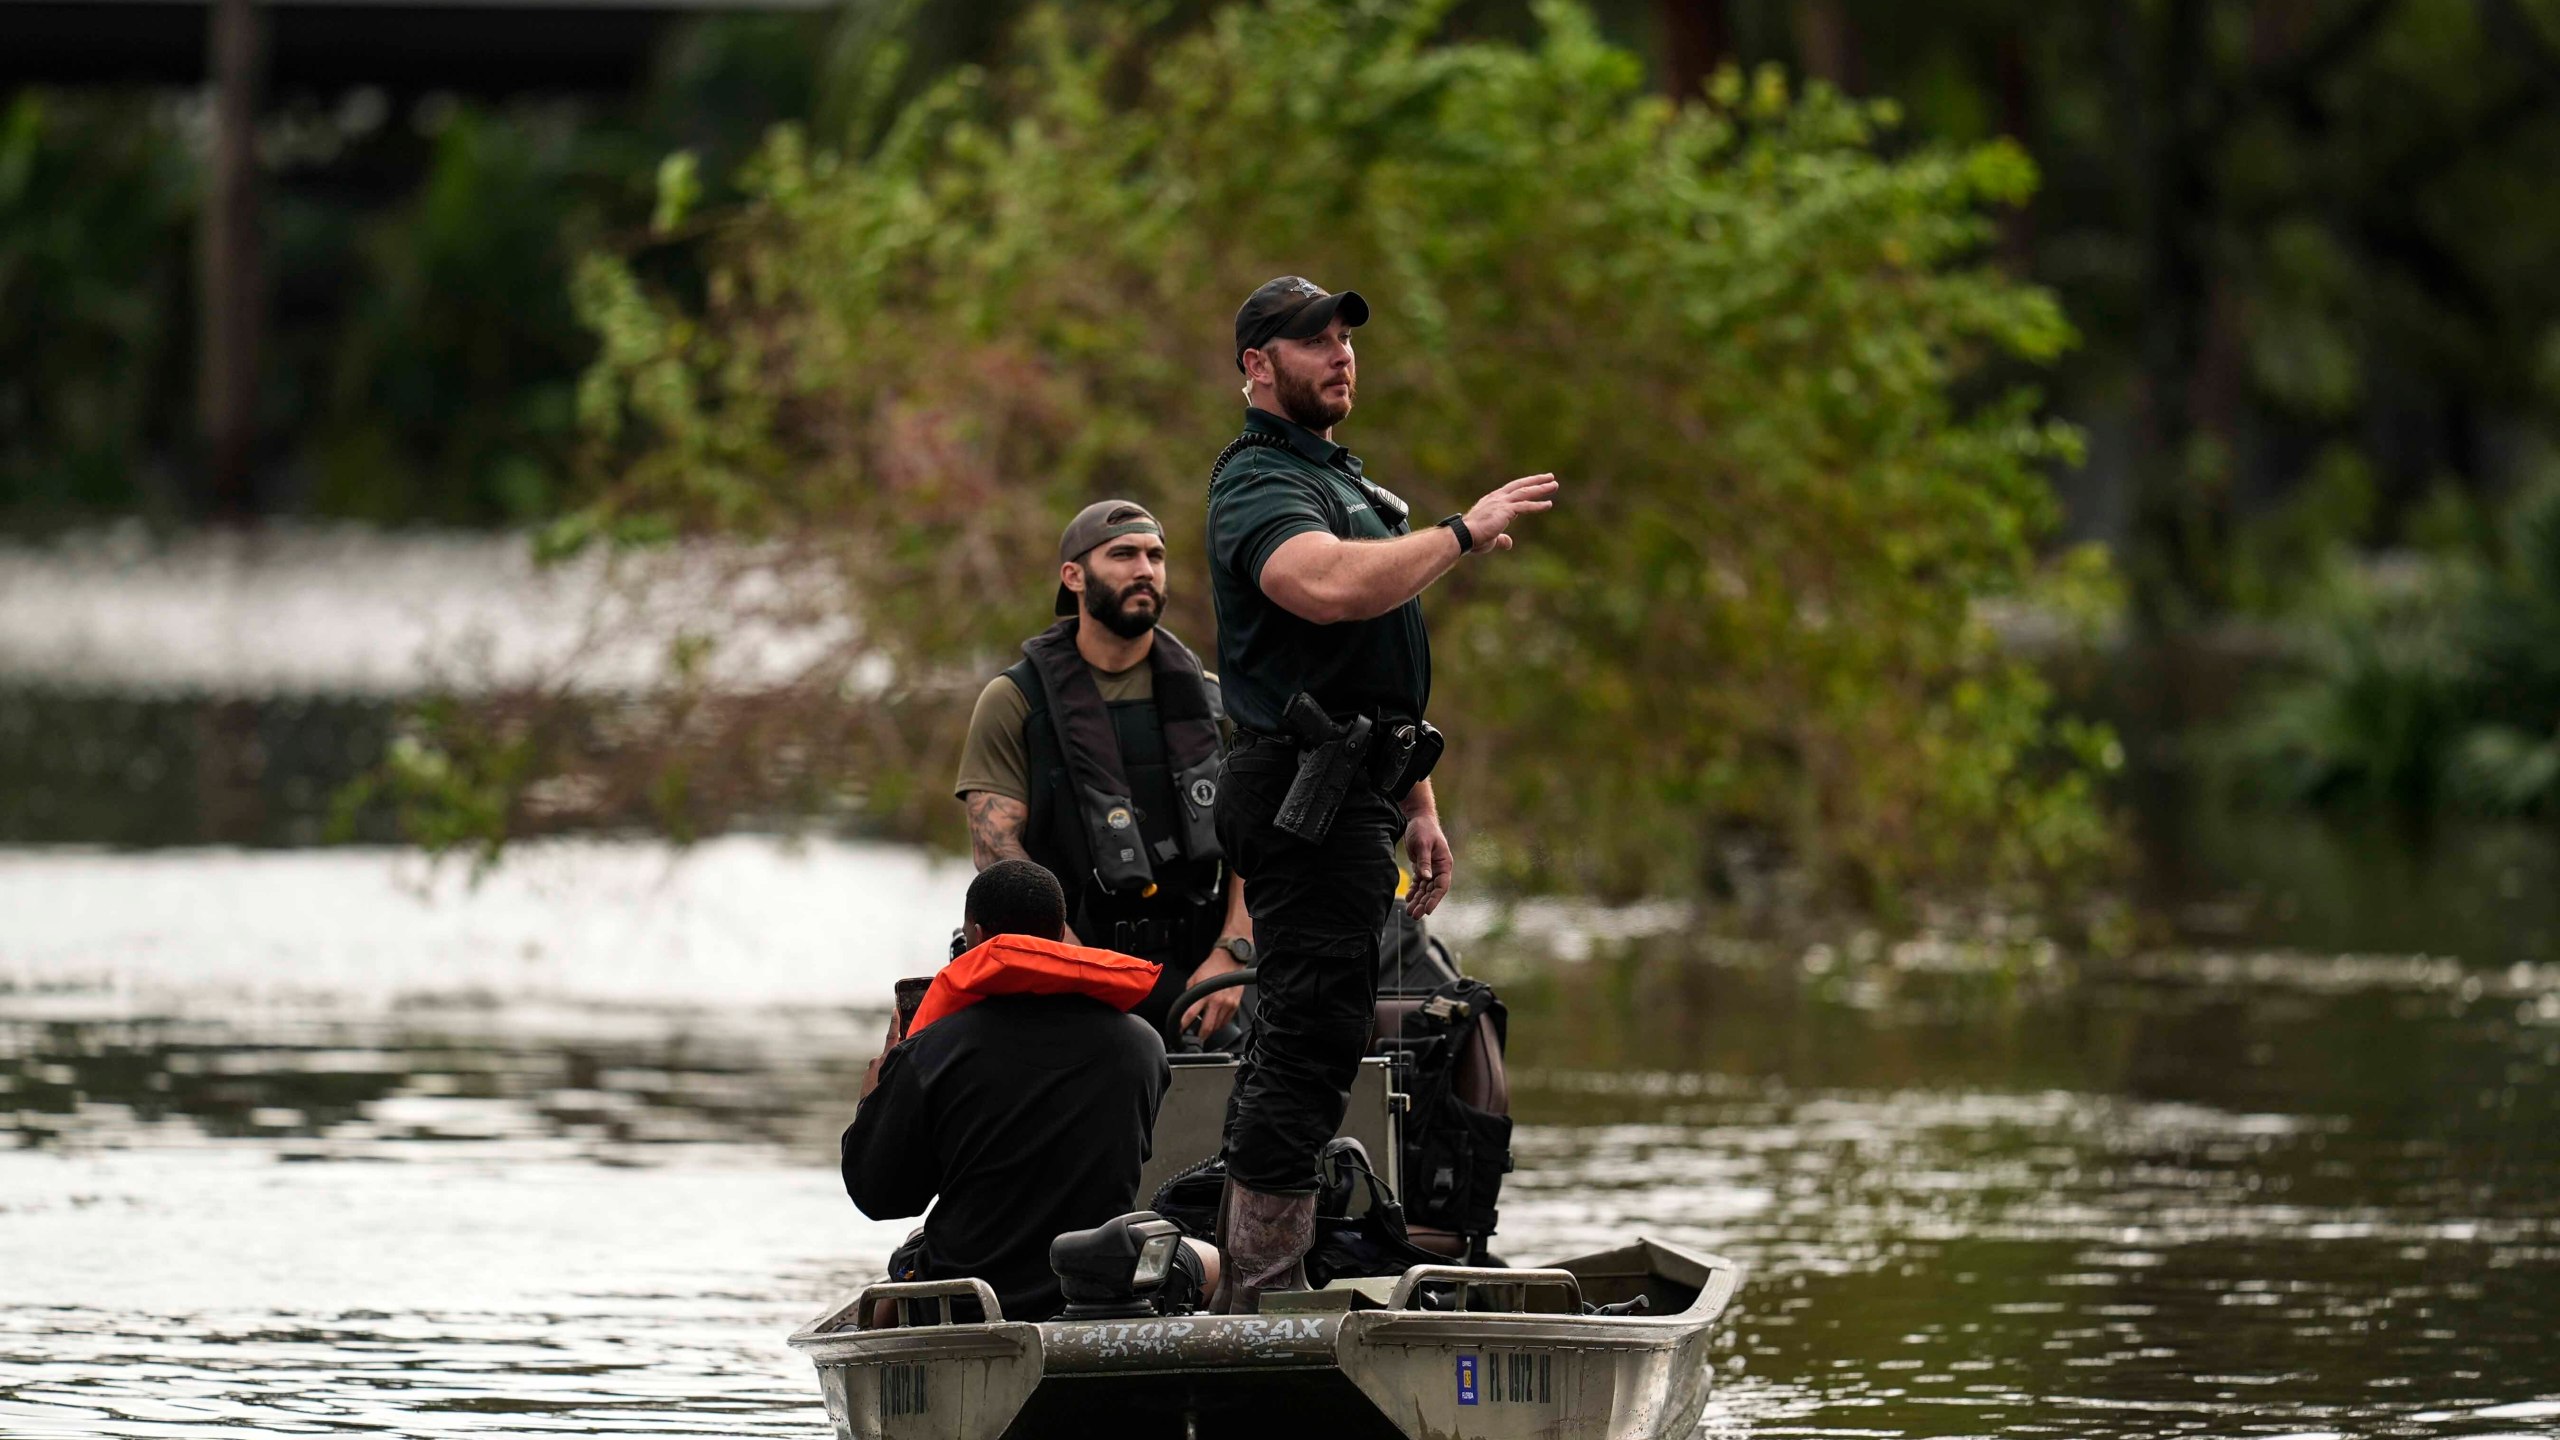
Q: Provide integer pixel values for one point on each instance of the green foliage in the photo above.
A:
(420, 356)
(455, 783)
(2291, 555)
(2444, 694)
(445, 391)
(679, 190)
(436, 382)
(97, 200)
(2375, 725)
(1738, 329)
(2293, 231)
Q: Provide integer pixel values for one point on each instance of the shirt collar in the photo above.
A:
(1301, 439)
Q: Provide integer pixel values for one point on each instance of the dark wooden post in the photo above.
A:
(232, 284)
(1697, 36)
(2016, 85)
(1827, 41)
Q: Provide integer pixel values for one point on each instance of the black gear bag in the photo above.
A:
(1455, 1151)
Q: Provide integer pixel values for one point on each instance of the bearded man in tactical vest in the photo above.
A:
(1097, 756)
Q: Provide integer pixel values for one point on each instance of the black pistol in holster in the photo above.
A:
(1404, 758)
(1330, 757)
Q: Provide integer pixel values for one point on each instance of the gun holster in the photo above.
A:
(1392, 756)
(1330, 757)
(1405, 758)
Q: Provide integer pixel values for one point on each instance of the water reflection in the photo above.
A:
(2248, 1193)
(2273, 1194)
(425, 1224)
(319, 1089)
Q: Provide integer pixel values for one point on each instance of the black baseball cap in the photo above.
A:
(1292, 307)
(1102, 520)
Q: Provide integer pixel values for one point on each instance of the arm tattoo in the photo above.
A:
(995, 828)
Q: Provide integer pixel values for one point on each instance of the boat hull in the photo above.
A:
(1470, 1374)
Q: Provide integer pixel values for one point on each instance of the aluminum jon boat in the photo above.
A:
(1443, 1351)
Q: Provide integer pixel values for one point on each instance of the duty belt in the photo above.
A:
(1391, 756)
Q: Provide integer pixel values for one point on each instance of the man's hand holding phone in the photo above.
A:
(902, 1014)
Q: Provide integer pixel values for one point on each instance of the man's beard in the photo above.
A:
(1104, 604)
(1303, 400)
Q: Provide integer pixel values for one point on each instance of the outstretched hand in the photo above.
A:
(1489, 520)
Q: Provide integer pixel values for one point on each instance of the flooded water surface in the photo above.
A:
(305, 1142)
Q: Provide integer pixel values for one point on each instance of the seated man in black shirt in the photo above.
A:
(1022, 1094)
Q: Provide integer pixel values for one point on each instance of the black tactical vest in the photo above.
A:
(1142, 869)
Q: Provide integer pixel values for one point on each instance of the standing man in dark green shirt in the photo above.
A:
(1317, 578)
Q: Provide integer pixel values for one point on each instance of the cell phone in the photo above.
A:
(910, 993)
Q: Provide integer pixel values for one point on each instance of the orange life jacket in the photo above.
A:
(1025, 965)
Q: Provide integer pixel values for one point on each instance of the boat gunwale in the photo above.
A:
(997, 1340)
(1521, 1329)
(1541, 1332)
(1400, 1328)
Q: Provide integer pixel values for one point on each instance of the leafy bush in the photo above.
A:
(2442, 695)
(2376, 720)
(420, 356)
(1737, 328)
(97, 202)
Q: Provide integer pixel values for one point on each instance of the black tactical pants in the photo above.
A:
(1317, 913)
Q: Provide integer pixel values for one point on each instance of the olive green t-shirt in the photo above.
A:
(993, 758)
(1269, 494)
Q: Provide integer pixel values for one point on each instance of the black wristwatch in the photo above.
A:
(1238, 946)
(1458, 526)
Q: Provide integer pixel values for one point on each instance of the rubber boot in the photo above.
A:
(1226, 1245)
(1262, 1246)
